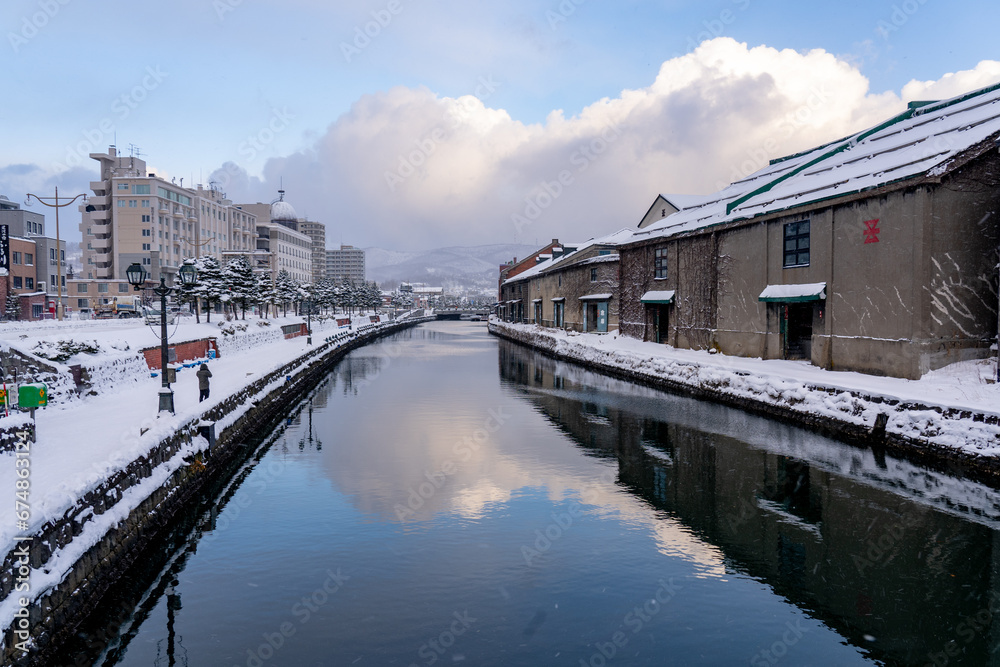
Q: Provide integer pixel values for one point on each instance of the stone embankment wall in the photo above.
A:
(960, 441)
(56, 612)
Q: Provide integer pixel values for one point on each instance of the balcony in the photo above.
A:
(102, 258)
(104, 273)
(99, 200)
(101, 245)
(98, 186)
(99, 216)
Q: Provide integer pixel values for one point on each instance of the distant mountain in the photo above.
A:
(453, 268)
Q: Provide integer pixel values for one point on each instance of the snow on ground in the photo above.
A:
(81, 441)
(918, 409)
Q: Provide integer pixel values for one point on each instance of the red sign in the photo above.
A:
(871, 231)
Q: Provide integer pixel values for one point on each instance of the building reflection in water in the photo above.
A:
(898, 559)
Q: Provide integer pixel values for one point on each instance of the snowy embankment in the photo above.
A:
(84, 443)
(954, 408)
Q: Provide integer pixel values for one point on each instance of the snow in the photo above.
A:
(596, 297)
(81, 441)
(661, 295)
(946, 407)
(778, 292)
(621, 236)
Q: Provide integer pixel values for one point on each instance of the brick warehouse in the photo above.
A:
(875, 253)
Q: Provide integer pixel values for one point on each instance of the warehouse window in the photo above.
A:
(660, 263)
(797, 244)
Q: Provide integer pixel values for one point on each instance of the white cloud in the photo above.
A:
(407, 169)
(953, 84)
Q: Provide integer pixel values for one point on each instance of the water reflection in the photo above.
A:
(898, 559)
(480, 503)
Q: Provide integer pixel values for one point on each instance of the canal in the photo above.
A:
(444, 497)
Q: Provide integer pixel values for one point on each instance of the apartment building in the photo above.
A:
(134, 216)
(348, 263)
(278, 244)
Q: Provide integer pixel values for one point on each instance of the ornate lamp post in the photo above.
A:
(137, 275)
(56, 205)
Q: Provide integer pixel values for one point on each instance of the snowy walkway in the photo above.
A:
(83, 441)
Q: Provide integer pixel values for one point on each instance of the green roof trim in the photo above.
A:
(839, 149)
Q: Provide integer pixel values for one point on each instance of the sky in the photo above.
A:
(409, 125)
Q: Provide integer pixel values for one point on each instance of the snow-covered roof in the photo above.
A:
(923, 140)
(658, 296)
(615, 238)
(596, 297)
(801, 292)
(681, 202)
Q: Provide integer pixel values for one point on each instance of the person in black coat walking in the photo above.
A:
(203, 375)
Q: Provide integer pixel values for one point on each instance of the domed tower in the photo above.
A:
(283, 213)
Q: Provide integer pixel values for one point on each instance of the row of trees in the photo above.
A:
(238, 288)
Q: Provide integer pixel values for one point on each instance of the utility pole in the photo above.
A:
(59, 254)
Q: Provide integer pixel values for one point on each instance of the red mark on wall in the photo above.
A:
(871, 231)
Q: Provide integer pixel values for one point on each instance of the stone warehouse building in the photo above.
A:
(875, 253)
(574, 287)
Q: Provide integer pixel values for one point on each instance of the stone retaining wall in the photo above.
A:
(922, 450)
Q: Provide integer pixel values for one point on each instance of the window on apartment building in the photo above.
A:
(52, 254)
(82, 303)
(660, 263)
(147, 232)
(593, 275)
(133, 203)
(90, 260)
(29, 259)
(145, 203)
(63, 283)
(147, 260)
(18, 282)
(123, 186)
(81, 288)
(796, 244)
(123, 287)
(141, 190)
(146, 218)
(52, 279)
(29, 283)
(121, 203)
(145, 246)
(17, 257)
(102, 288)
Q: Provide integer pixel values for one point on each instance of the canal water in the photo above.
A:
(446, 498)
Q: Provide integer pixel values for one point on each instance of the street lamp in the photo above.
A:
(56, 205)
(137, 275)
(309, 329)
